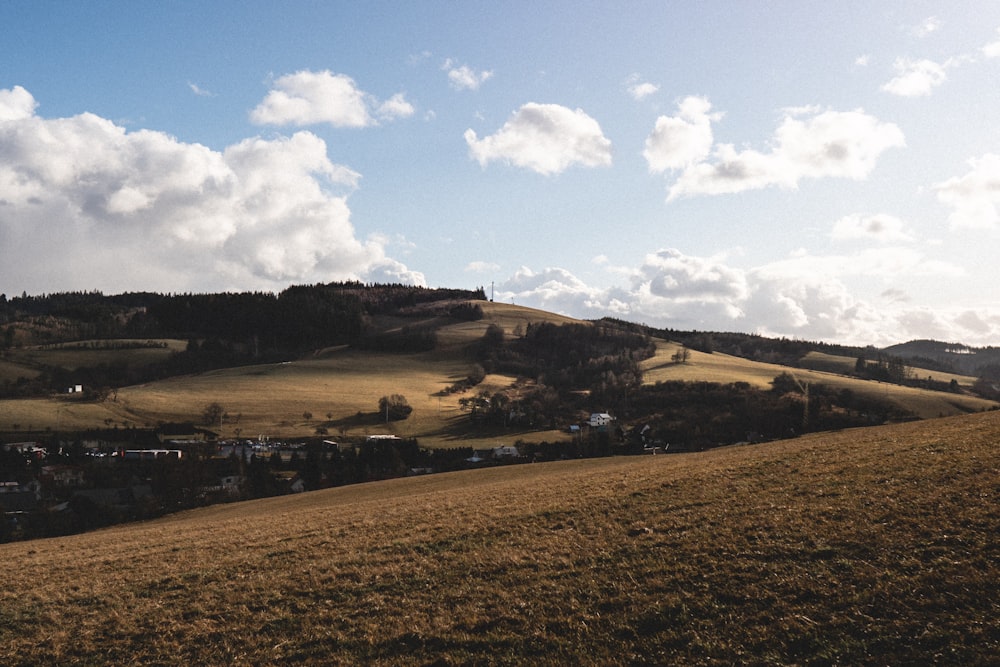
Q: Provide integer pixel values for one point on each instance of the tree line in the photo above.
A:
(222, 329)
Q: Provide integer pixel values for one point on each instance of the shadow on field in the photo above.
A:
(459, 428)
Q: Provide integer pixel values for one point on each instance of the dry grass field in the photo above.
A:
(336, 384)
(723, 368)
(868, 547)
(77, 354)
(11, 371)
(833, 363)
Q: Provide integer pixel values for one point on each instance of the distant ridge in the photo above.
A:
(957, 357)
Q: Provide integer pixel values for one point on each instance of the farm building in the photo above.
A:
(599, 419)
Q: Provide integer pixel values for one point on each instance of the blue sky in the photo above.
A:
(826, 171)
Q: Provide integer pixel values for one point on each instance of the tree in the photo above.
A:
(681, 356)
(212, 414)
(394, 407)
(494, 336)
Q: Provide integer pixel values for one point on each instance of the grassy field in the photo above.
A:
(867, 547)
(838, 364)
(335, 385)
(11, 371)
(139, 352)
(723, 368)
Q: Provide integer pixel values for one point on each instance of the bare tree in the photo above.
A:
(212, 414)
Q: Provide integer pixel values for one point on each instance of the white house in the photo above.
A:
(506, 452)
(598, 419)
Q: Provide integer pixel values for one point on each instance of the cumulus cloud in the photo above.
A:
(880, 227)
(802, 296)
(915, 78)
(84, 202)
(974, 197)
(395, 107)
(546, 138)
(463, 77)
(639, 89)
(16, 104)
(679, 141)
(992, 50)
(929, 25)
(311, 98)
(807, 144)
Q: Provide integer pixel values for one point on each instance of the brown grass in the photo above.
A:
(11, 371)
(833, 363)
(724, 368)
(875, 546)
(75, 355)
(272, 399)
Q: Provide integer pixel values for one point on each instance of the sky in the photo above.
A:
(825, 171)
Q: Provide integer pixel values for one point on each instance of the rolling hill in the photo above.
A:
(331, 387)
(866, 547)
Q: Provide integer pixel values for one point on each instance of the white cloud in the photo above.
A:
(546, 138)
(554, 289)
(679, 141)
(395, 107)
(831, 144)
(863, 60)
(85, 203)
(463, 77)
(880, 227)
(482, 267)
(926, 27)
(915, 78)
(803, 296)
(16, 104)
(975, 197)
(639, 89)
(669, 274)
(415, 59)
(311, 98)
(992, 50)
(199, 91)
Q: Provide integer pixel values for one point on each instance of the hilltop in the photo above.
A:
(868, 547)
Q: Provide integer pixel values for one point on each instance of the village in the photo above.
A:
(62, 485)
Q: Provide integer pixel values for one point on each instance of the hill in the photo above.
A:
(866, 547)
(952, 356)
(328, 388)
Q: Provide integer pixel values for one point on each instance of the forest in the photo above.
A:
(222, 329)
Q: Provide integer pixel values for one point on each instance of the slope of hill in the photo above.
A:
(718, 367)
(330, 388)
(963, 358)
(866, 547)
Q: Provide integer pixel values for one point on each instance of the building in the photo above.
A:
(600, 419)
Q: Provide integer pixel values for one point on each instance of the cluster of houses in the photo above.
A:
(49, 484)
(46, 483)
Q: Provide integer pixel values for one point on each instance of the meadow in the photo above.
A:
(338, 389)
(723, 368)
(865, 547)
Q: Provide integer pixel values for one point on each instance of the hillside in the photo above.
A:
(867, 547)
(330, 388)
(961, 358)
(334, 385)
(817, 369)
(272, 398)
